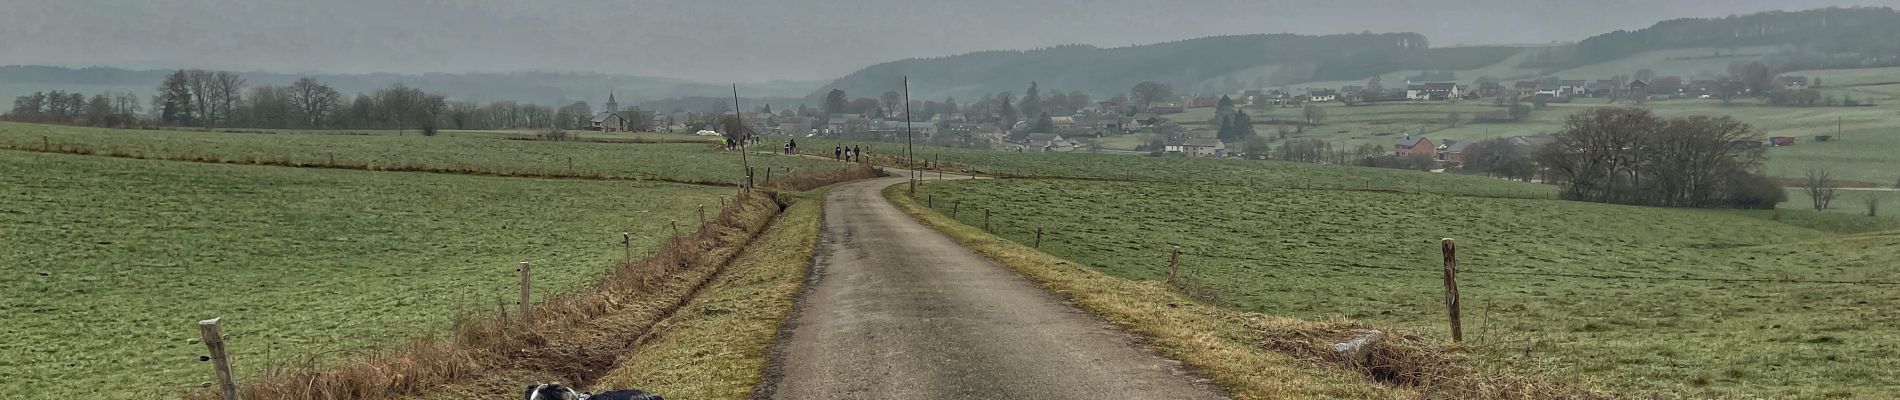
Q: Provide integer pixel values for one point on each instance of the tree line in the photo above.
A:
(222, 99)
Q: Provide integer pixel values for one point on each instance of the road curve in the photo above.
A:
(897, 310)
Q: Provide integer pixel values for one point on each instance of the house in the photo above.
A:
(1571, 87)
(1433, 91)
(1415, 147)
(1047, 142)
(1600, 88)
(1322, 95)
(796, 126)
(842, 123)
(1203, 147)
(1793, 83)
(1525, 88)
(1551, 89)
(1453, 152)
(1639, 86)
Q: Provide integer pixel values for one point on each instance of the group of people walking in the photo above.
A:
(853, 153)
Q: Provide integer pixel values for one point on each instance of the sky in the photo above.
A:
(744, 41)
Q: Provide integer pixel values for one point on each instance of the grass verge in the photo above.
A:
(716, 348)
(1257, 356)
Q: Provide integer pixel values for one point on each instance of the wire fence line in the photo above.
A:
(1048, 234)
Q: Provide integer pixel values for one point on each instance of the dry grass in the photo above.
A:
(716, 348)
(573, 338)
(816, 179)
(1257, 356)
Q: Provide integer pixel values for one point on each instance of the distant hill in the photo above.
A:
(547, 88)
(1789, 40)
(1188, 65)
(1812, 39)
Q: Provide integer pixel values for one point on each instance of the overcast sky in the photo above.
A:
(746, 41)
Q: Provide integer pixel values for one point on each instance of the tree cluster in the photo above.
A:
(1631, 156)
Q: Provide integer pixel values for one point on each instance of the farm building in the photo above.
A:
(1415, 147)
(1453, 152)
(1047, 142)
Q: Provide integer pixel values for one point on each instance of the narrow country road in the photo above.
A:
(896, 310)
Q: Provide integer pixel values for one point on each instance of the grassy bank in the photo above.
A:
(716, 347)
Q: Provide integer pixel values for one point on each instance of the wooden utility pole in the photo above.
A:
(1451, 289)
(738, 133)
(526, 288)
(910, 160)
(211, 331)
(1174, 263)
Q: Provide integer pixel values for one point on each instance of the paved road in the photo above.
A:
(897, 310)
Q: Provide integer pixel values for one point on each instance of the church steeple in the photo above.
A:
(611, 104)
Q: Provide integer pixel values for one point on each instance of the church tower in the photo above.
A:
(611, 104)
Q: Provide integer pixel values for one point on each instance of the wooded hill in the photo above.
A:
(1182, 64)
(1811, 39)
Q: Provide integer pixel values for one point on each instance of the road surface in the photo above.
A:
(896, 310)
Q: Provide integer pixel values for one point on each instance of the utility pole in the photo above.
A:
(910, 159)
(738, 128)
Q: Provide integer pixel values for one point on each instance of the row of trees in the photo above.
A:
(105, 109)
(1631, 156)
(220, 99)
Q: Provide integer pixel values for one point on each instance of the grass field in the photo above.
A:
(110, 261)
(1373, 256)
(684, 161)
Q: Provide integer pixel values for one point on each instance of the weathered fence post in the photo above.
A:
(211, 331)
(526, 288)
(702, 214)
(986, 220)
(722, 201)
(676, 227)
(1451, 289)
(332, 159)
(768, 175)
(931, 201)
(953, 208)
(1038, 237)
(46, 144)
(570, 165)
(626, 240)
(1174, 263)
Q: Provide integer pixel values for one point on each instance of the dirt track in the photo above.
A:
(896, 310)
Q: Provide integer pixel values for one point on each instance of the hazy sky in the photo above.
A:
(726, 40)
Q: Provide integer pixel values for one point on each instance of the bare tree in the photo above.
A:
(227, 89)
(313, 101)
(1820, 187)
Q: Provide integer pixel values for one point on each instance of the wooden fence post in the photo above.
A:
(953, 208)
(626, 240)
(931, 200)
(1174, 263)
(722, 201)
(1038, 237)
(768, 175)
(570, 165)
(1451, 289)
(676, 227)
(526, 288)
(211, 331)
(332, 159)
(702, 214)
(986, 220)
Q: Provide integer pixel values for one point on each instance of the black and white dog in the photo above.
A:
(554, 391)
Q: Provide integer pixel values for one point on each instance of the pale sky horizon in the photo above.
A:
(789, 40)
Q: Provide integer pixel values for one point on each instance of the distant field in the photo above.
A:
(684, 161)
(1231, 172)
(110, 261)
(1374, 256)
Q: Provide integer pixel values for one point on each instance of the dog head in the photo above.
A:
(552, 391)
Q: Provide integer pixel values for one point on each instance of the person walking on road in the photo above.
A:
(858, 152)
(837, 153)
